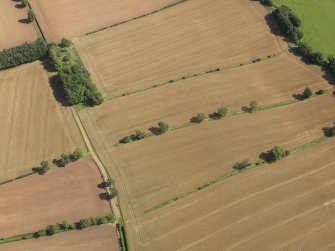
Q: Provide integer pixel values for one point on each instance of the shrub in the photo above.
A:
(77, 154)
(320, 92)
(40, 233)
(163, 127)
(66, 225)
(25, 53)
(65, 43)
(201, 117)
(45, 166)
(222, 112)
(65, 158)
(126, 140)
(242, 165)
(253, 106)
(84, 223)
(139, 135)
(277, 153)
(307, 93)
(114, 192)
(31, 15)
(25, 3)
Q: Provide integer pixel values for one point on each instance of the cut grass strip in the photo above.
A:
(233, 173)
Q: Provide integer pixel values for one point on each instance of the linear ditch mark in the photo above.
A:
(212, 117)
(82, 106)
(230, 174)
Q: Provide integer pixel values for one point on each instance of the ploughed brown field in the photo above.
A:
(32, 126)
(14, 29)
(191, 37)
(35, 202)
(102, 238)
(268, 82)
(72, 18)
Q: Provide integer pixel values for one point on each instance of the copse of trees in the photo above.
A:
(288, 22)
(25, 53)
(76, 81)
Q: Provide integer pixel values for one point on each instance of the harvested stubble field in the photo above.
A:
(191, 37)
(271, 81)
(32, 127)
(102, 238)
(70, 193)
(284, 206)
(69, 19)
(159, 168)
(14, 29)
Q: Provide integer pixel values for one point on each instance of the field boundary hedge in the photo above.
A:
(61, 228)
(135, 18)
(214, 117)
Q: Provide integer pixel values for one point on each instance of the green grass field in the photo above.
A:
(318, 22)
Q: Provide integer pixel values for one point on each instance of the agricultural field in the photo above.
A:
(318, 22)
(102, 238)
(149, 172)
(169, 44)
(206, 93)
(286, 206)
(69, 193)
(32, 125)
(57, 18)
(14, 29)
(225, 58)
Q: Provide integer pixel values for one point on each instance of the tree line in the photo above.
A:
(289, 24)
(25, 53)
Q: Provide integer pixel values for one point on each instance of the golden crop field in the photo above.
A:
(32, 127)
(68, 19)
(179, 191)
(171, 44)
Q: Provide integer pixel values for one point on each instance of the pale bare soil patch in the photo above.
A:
(73, 18)
(191, 37)
(102, 238)
(32, 127)
(284, 206)
(14, 29)
(268, 82)
(70, 193)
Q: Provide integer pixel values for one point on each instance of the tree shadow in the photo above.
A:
(214, 116)
(155, 130)
(246, 109)
(104, 196)
(58, 163)
(24, 21)
(55, 84)
(102, 185)
(19, 5)
(299, 96)
(194, 120)
(265, 156)
(328, 131)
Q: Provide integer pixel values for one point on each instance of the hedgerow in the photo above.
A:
(25, 53)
